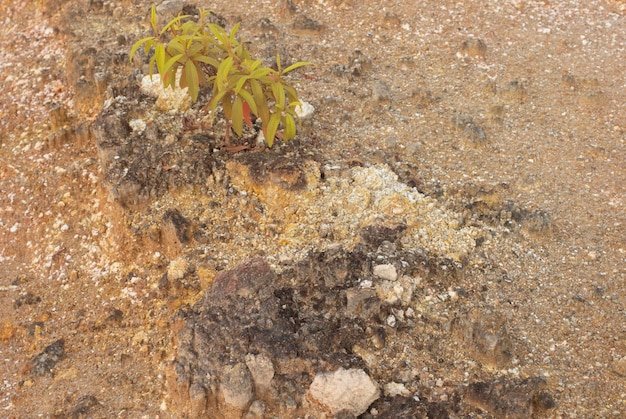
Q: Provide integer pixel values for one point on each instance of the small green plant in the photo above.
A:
(209, 56)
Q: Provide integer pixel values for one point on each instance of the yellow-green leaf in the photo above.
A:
(296, 65)
(278, 62)
(214, 101)
(254, 65)
(223, 70)
(171, 62)
(260, 72)
(290, 128)
(233, 32)
(227, 106)
(174, 21)
(139, 43)
(237, 115)
(260, 100)
(191, 78)
(159, 55)
(240, 83)
(279, 95)
(272, 127)
(218, 32)
(194, 49)
(292, 95)
(153, 20)
(175, 46)
(207, 60)
(250, 100)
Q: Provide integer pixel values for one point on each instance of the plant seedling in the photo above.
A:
(209, 56)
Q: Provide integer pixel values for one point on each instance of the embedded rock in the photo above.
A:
(350, 390)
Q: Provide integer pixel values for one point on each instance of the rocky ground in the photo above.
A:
(444, 238)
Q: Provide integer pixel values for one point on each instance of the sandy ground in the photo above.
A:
(496, 109)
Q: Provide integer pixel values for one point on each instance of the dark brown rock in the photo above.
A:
(512, 399)
(244, 281)
(375, 234)
(46, 360)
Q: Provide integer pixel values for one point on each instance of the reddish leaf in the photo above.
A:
(246, 114)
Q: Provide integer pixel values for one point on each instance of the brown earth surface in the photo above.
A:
(508, 116)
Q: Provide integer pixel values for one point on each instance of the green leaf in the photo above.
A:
(254, 65)
(151, 66)
(227, 106)
(279, 95)
(237, 116)
(290, 128)
(223, 70)
(249, 100)
(176, 46)
(218, 33)
(240, 83)
(207, 60)
(278, 62)
(159, 55)
(194, 49)
(260, 72)
(233, 32)
(260, 100)
(215, 100)
(153, 20)
(139, 43)
(292, 95)
(191, 77)
(272, 127)
(296, 65)
(174, 21)
(171, 62)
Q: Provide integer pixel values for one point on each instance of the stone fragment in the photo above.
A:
(387, 272)
(83, 407)
(485, 337)
(177, 269)
(394, 389)
(381, 91)
(472, 47)
(46, 360)
(306, 24)
(262, 370)
(168, 100)
(376, 234)
(344, 390)
(362, 303)
(236, 387)
(26, 299)
(513, 399)
(243, 281)
(514, 92)
(256, 410)
(304, 110)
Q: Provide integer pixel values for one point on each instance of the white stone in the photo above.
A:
(177, 269)
(349, 390)
(305, 110)
(170, 99)
(387, 272)
(137, 125)
(394, 389)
